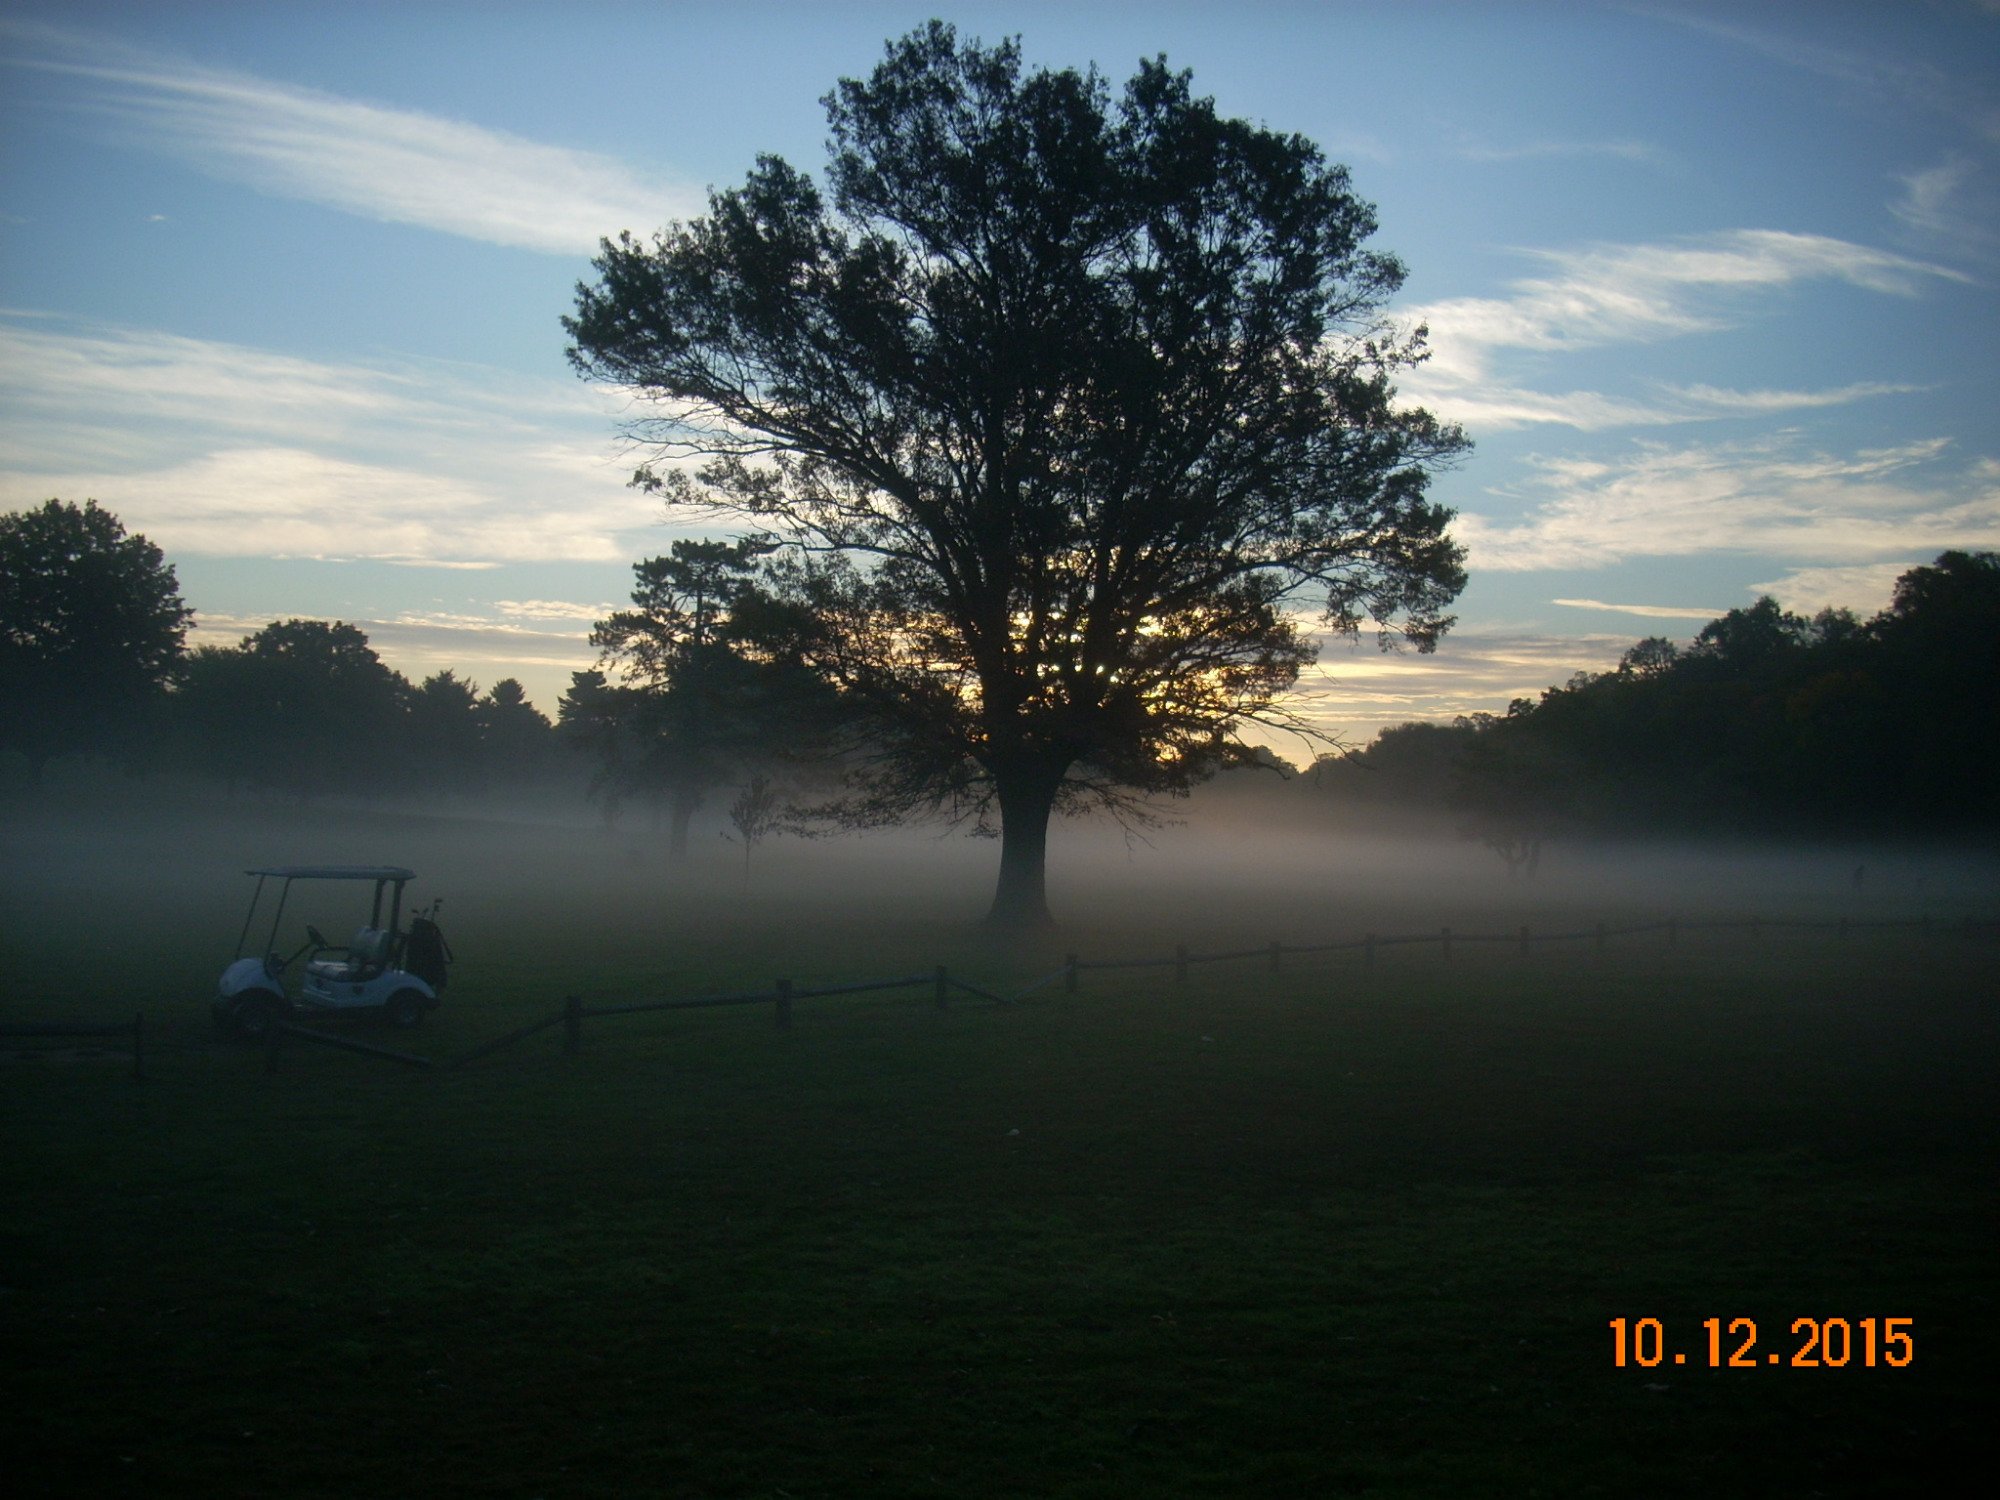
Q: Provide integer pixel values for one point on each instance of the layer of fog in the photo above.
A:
(1219, 873)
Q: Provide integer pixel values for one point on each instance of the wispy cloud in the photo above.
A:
(482, 649)
(397, 165)
(1927, 195)
(1355, 691)
(291, 502)
(1615, 294)
(1718, 401)
(1495, 406)
(1865, 588)
(1965, 97)
(1952, 205)
(231, 451)
(1764, 498)
(554, 609)
(1639, 293)
(1476, 148)
(159, 375)
(1647, 611)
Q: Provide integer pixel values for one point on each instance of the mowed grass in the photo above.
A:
(1328, 1231)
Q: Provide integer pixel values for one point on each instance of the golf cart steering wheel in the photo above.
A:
(319, 939)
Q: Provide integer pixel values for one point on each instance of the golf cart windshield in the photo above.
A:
(382, 876)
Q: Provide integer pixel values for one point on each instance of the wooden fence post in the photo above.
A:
(572, 1025)
(943, 987)
(1444, 942)
(1180, 962)
(1069, 972)
(784, 1005)
(1277, 957)
(139, 1046)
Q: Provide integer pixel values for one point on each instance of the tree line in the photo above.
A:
(1768, 722)
(94, 663)
(697, 706)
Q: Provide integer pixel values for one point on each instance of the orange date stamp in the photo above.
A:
(1733, 1344)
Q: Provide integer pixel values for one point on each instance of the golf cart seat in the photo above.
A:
(366, 956)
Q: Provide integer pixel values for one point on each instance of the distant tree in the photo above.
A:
(1957, 593)
(1066, 405)
(1753, 637)
(1410, 765)
(756, 814)
(91, 630)
(1650, 657)
(1939, 669)
(695, 705)
(305, 705)
(1516, 785)
(1767, 722)
(599, 720)
(444, 733)
(216, 718)
(517, 738)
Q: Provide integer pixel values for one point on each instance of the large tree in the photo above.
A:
(1069, 406)
(91, 628)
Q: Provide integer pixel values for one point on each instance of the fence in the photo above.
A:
(277, 1031)
(942, 984)
(1523, 937)
(782, 994)
(780, 997)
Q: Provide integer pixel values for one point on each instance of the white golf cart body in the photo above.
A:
(367, 974)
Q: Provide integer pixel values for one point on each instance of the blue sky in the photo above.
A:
(1711, 287)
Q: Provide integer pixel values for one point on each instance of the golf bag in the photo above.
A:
(427, 955)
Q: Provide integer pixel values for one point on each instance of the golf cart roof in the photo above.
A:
(337, 872)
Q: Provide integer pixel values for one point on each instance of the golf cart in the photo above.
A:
(386, 970)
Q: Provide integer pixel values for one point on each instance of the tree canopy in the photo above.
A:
(91, 627)
(1069, 407)
(305, 705)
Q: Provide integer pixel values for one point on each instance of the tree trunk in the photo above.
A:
(1020, 901)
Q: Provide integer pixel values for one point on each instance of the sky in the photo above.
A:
(1710, 287)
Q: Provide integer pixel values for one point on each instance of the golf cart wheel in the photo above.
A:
(405, 1009)
(255, 1015)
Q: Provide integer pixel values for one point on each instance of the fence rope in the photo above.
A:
(985, 994)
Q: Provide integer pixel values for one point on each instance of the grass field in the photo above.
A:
(1324, 1232)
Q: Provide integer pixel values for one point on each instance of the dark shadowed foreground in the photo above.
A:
(1329, 1231)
